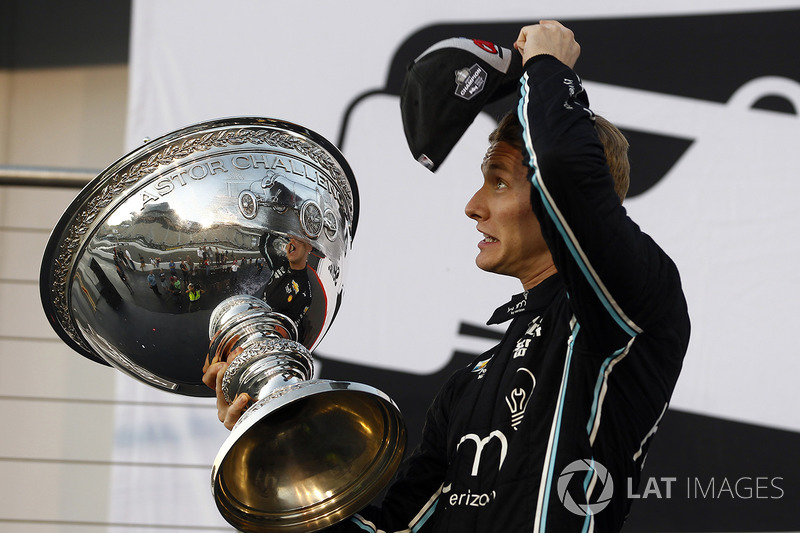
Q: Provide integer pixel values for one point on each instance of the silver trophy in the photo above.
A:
(227, 239)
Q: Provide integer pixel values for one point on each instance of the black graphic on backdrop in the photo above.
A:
(706, 57)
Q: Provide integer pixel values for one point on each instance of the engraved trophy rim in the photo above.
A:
(121, 179)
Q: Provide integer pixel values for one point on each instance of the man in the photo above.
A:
(153, 282)
(194, 292)
(533, 433)
(288, 289)
(124, 278)
(129, 259)
(234, 272)
(175, 289)
(185, 272)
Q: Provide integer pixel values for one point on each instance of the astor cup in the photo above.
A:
(228, 239)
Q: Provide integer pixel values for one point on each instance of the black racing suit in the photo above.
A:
(544, 431)
(288, 291)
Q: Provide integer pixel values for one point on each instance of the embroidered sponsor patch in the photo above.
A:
(480, 367)
(470, 81)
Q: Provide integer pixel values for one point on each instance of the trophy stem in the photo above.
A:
(266, 366)
(263, 343)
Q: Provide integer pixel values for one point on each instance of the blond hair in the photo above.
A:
(615, 146)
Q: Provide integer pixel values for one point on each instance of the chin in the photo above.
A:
(486, 266)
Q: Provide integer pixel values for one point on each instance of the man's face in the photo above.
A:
(297, 252)
(513, 244)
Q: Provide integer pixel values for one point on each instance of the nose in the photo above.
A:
(475, 207)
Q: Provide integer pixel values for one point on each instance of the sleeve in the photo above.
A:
(616, 276)
(411, 498)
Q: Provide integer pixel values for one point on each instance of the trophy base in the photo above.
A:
(307, 456)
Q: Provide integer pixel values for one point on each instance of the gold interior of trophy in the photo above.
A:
(310, 463)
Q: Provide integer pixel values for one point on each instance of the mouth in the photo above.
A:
(487, 241)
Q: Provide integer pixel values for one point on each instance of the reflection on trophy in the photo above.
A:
(227, 239)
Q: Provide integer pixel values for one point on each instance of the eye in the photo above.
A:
(500, 184)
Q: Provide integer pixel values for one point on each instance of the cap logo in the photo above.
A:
(426, 161)
(486, 46)
(470, 81)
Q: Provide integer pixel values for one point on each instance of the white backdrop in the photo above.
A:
(726, 212)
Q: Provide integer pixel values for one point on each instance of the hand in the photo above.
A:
(548, 37)
(213, 372)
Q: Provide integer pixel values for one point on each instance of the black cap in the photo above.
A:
(446, 87)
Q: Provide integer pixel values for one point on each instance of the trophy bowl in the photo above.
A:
(227, 239)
